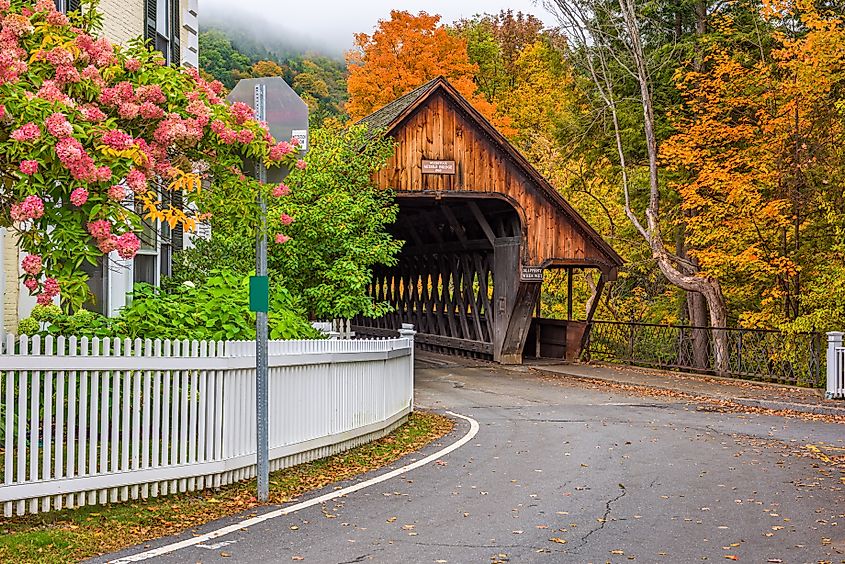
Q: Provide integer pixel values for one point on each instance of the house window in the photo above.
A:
(163, 28)
(165, 251)
(146, 260)
(61, 6)
(98, 284)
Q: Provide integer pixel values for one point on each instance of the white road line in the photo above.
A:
(155, 552)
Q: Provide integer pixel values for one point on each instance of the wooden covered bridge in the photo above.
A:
(481, 226)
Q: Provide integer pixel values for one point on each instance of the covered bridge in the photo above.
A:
(481, 226)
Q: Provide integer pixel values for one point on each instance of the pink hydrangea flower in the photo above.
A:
(2, 111)
(78, 197)
(66, 74)
(241, 112)
(59, 56)
(198, 108)
(92, 73)
(301, 164)
(281, 190)
(99, 229)
(27, 132)
(127, 245)
(29, 167)
(151, 111)
(286, 219)
(51, 290)
(92, 113)
(32, 207)
(31, 284)
(51, 92)
(57, 19)
(152, 93)
(69, 150)
(32, 264)
(280, 238)
(228, 136)
(17, 24)
(128, 110)
(132, 65)
(117, 139)
(58, 126)
(103, 174)
(245, 136)
(117, 193)
(107, 245)
(137, 181)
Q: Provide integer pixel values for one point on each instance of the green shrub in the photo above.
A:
(216, 310)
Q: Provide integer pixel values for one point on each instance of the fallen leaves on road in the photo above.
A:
(558, 540)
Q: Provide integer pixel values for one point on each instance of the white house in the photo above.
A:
(172, 26)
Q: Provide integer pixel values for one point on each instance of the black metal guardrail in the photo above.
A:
(753, 354)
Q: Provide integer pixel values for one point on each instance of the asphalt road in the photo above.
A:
(612, 477)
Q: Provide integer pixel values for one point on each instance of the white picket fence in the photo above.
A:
(835, 366)
(104, 420)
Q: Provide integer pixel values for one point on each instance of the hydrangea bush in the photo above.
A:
(95, 136)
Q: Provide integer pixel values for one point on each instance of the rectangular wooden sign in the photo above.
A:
(438, 167)
(531, 274)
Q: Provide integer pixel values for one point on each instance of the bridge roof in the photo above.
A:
(436, 122)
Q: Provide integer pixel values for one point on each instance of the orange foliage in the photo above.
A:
(754, 144)
(403, 53)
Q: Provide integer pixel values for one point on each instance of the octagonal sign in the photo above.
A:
(277, 104)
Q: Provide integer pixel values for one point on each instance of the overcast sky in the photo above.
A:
(330, 23)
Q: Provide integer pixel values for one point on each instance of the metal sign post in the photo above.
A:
(261, 424)
(286, 115)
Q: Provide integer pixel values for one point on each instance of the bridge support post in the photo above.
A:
(514, 302)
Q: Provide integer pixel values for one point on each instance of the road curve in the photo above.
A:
(560, 472)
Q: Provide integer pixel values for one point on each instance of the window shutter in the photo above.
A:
(175, 33)
(74, 5)
(150, 21)
(177, 235)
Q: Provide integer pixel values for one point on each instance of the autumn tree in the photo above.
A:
(758, 159)
(266, 68)
(608, 44)
(403, 53)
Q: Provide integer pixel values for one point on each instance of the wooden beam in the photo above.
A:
(516, 332)
(593, 306)
(569, 293)
(457, 229)
(413, 232)
(448, 248)
(482, 221)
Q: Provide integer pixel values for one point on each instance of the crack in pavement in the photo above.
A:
(354, 560)
(491, 546)
(602, 521)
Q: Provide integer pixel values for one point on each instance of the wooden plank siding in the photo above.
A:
(443, 126)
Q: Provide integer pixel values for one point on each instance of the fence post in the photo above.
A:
(407, 332)
(834, 371)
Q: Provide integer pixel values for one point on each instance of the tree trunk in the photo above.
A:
(700, 341)
(708, 287)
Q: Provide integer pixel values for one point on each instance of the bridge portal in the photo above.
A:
(481, 226)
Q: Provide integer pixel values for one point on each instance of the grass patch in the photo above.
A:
(74, 534)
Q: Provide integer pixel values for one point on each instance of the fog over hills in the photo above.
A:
(327, 27)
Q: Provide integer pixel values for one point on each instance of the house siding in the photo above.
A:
(123, 20)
